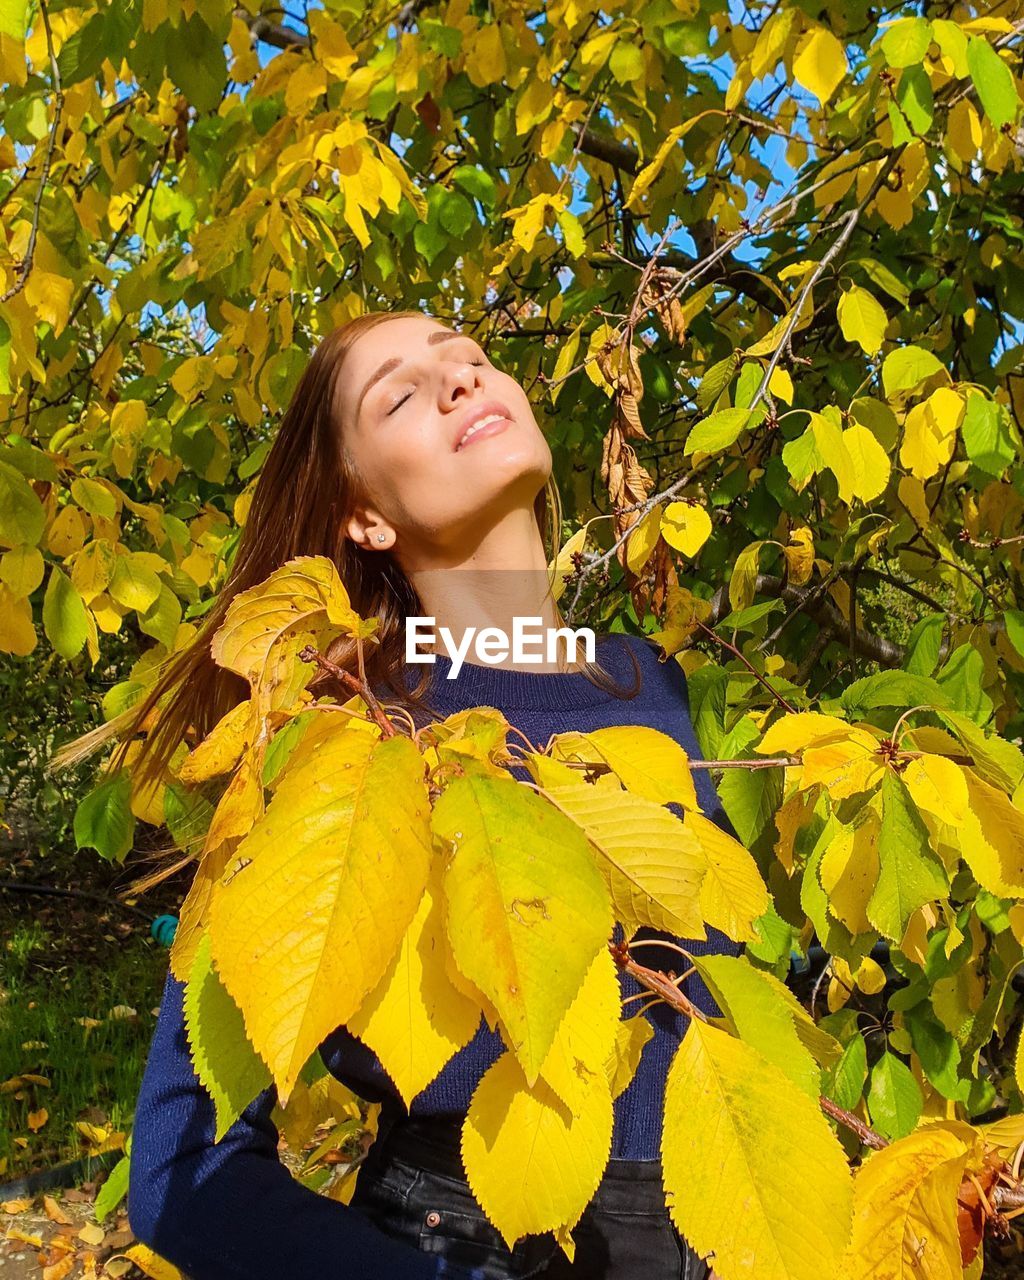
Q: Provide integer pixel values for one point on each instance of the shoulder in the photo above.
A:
(650, 655)
(661, 678)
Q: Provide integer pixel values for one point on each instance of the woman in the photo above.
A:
(419, 467)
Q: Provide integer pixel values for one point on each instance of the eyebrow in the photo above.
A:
(439, 335)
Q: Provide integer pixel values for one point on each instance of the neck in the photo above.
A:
(501, 577)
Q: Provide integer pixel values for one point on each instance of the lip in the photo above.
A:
(482, 411)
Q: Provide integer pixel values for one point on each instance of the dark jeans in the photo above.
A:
(412, 1186)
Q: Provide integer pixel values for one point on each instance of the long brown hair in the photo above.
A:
(299, 506)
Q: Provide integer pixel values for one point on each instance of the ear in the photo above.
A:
(363, 526)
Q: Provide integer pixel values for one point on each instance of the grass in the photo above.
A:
(49, 999)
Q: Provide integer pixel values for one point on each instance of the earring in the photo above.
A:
(382, 537)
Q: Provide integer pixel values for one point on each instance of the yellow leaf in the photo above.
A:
(791, 733)
(529, 218)
(929, 432)
(685, 527)
(193, 376)
(820, 63)
(781, 384)
(562, 566)
(844, 766)
(17, 631)
(849, 870)
(742, 1149)
(862, 319)
(937, 785)
(586, 1038)
(642, 540)
(649, 173)
(799, 553)
(303, 602)
(910, 492)
(566, 359)
(682, 616)
(530, 1163)
(151, 1264)
(646, 761)
(743, 580)
(222, 747)
(732, 893)
(652, 865)
(49, 296)
(527, 909)
(992, 838)
(415, 1020)
(630, 1037)
(302, 933)
(905, 1210)
(485, 62)
(869, 463)
(870, 976)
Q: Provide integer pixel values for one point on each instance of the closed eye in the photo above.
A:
(398, 403)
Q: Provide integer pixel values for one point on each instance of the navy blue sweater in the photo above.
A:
(232, 1210)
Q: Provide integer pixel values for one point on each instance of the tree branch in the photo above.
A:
(25, 266)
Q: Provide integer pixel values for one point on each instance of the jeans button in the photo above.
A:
(433, 1218)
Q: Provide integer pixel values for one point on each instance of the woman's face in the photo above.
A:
(411, 390)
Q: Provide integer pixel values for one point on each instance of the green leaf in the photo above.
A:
(758, 1015)
(716, 379)
(22, 515)
(14, 18)
(626, 62)
(914, 98)
(706, 688)
(894, 1098)
(891, 689)
(228, 1066)
(993, 80)
(83, 52)
(64, 618)
(5, 357)
(938, 1051)
(910, 874)
(476, 182)
(717, 431)
(922, 652)
(987, 435)
(196, 63)
(456, 214)
(962, 677)
(750, 798)
(844, 1082)
(104, 820)
(907, 367)
(1014, 619)
(906, 41)
(113, 1190)
(883, 277)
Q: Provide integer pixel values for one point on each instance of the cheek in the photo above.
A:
(398, 456)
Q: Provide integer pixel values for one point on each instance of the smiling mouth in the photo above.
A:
(487, 426)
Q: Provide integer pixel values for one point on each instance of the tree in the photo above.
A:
(777, 261)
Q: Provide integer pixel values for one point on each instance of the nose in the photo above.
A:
(464, 378)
